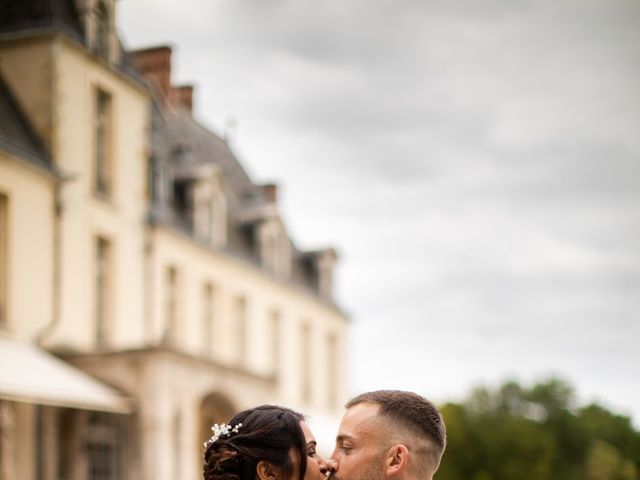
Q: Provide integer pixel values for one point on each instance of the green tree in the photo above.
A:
(605, 462)
(616, 430)
(514, 432)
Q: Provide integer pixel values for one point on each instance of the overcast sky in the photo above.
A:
(475, 162)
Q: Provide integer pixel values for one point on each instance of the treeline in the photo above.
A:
(537, 433)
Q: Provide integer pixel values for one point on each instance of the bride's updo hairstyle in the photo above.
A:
(266, 433)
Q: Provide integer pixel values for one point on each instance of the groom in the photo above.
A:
(388, 435)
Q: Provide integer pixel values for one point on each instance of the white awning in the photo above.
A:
(30, 374)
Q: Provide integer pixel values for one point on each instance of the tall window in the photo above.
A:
(4, 257)
(171, 304)
(241, 329)
(102, 289)
(102, 148)
(103, 452)
(305, 362)
(177, 445)
(207, 319)
(274, 328)
(101, 42)
(332, 371)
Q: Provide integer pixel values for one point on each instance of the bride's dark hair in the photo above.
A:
(267, 433)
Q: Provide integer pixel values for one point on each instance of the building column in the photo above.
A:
(7, 441)
(49, 443)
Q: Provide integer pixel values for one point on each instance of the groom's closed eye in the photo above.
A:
(345, 446)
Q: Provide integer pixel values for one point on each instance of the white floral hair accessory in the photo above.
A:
(221, 430)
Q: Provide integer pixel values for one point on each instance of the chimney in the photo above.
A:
(155, 65)
(183, 96)
(270, 191)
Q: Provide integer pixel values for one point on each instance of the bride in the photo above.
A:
(263, 443)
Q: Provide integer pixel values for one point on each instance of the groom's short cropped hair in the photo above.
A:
(410, 412)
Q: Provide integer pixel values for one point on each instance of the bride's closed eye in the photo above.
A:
(311, 449)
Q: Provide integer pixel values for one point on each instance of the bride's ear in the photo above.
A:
(267, 471)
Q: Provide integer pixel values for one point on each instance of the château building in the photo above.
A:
(148, 287)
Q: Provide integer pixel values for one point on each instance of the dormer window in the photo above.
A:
(326, 262)
(101, 40)
(274, 248)
(317, 269)
(200, 204)
(183, 202)
(210, 210)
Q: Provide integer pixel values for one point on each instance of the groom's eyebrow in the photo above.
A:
(343, 436)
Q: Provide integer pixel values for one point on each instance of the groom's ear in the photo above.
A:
(267, 471)
(396, 460)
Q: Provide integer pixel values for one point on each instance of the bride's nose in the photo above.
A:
(328, 467)
(324, 466)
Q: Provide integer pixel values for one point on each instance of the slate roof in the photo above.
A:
(16, 133)
(179, 142)
(55, 16)
(16, 15)
(193, 144)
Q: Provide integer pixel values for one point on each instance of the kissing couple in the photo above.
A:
(383, 435)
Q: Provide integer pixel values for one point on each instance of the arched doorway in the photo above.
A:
(214, 408)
